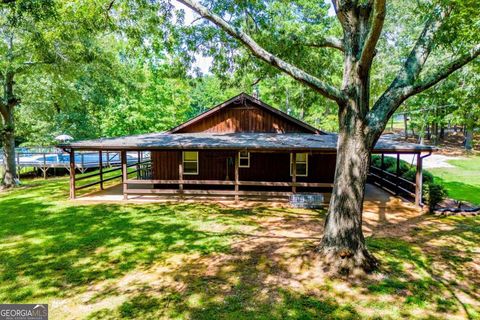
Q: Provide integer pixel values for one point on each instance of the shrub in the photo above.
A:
(410, 175)
(390, 164)
(434, 193)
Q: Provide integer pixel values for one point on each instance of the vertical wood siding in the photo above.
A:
(247, 118)
(165, 164)
(263, 166)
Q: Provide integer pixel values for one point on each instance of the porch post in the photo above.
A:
(294, 172)
(236, 176)
(124, 174)
(100, 164)
(418, 181)
(382, 166)
(397, 173)
(180, 173)
(72, 174)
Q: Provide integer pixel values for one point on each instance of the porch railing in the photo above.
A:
(392, 182)
(232, 188)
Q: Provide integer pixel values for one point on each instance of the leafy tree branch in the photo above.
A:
(327, 42)
(443, 73)
(318, 85)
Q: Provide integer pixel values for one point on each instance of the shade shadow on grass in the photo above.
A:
(52, 248)
(236, 288)
(421, 272)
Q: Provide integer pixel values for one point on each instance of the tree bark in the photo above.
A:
(7, 106)
(469, 138)
(343, 244)
(8, 148)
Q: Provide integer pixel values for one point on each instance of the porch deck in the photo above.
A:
(376, 199)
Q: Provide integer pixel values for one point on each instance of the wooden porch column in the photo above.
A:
(294, 172)
(382, 167)
(419, 181)
(124, 174)
(237, 175)
(72, 174)
(180, 174)
(397, 173)
(100, 164)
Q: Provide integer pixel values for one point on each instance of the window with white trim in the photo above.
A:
(190, 162)
(301, 164)
(244, 159)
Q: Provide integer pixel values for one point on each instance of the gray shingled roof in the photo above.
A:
(242, 141)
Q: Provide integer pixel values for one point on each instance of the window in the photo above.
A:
(190, 162)
(244, 159)
(302, 164)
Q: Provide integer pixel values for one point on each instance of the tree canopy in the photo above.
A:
(118, 72)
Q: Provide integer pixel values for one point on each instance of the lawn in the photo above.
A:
(206, 261)
(463, 180)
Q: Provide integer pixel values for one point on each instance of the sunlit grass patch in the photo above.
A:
(463, 180)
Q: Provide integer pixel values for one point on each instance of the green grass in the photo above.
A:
(207, 261)
(462, 181)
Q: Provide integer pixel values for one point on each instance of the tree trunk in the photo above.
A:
(435, 132)
(8, 130)
(8, 147)
(405, 122)
(343, 243)
(469, 138)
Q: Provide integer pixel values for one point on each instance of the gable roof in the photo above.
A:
(242, 98)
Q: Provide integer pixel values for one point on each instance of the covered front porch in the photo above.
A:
(377, 200)
(141, 180)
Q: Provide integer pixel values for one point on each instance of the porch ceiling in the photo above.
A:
(236, 141)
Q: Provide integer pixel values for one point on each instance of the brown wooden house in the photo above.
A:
(242, 148)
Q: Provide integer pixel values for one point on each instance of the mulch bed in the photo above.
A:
(450, 207)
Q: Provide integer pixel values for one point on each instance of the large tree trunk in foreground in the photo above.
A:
(343, 243)
(8, 148)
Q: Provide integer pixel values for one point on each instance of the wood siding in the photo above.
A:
(276, 167)
(243, 118)
(220, 165)
(165, 164)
